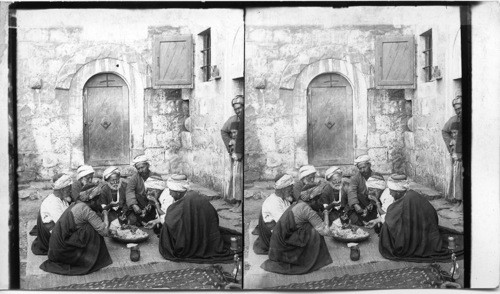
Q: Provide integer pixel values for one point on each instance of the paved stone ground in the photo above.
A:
(256, 278)
(30, 199)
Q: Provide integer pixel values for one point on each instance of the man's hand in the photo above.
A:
(358, 208)
(239, 156)
(136, 209)
(152, 223)
(372, 223)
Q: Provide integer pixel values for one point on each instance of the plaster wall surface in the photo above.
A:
(59, 49)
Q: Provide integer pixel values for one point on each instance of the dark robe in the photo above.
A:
(411, 232)
(75, 250)
(261, 245)
(40, 245)
(295, 250)
(191, 232)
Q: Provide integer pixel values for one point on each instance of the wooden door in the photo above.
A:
(330, 121)
(106, 121)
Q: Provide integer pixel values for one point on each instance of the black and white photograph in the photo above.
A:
(250, 146)
(353, 148)
(129, 163)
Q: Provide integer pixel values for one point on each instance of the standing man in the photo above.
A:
(238, 107)
(446, 131)
(452, 136)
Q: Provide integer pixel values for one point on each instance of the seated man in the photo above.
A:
(191, 231)
(84, 176)
(272, 209)
(50, 211)
(159, 196)
(379, 196)
(307, 181)
(334, 194)
(139, 209)
(410, 229)
(76, 246)
(297, 243)
(359, 208)
(112, 196)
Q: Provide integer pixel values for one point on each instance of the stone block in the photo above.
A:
(35, 35)
(58, 36)
(150, 140)
(383, 123)
(155, 155)
(273, 159)
(374, 140)
(49, 160)
(267, 138)
(186, 140)
(285, 145)
(282, 36)
(167, 107)
(166, 138)
(160, 122)
(409, 140)
(252, 176)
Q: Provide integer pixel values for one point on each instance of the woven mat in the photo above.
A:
(404, 278)
(192, 278)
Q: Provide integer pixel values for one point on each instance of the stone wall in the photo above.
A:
(56, 57)
(428, 161)
(273, 117)
(399, 129)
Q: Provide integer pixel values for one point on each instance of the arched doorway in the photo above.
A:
(106, 120)
(330, 120)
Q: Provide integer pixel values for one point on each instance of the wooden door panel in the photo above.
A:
(107, 123)
(330, 120)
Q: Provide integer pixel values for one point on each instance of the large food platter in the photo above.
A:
(348, 234)
(129, 234)
(348, 240)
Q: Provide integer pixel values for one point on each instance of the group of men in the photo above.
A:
(74, 219)
(295, 219)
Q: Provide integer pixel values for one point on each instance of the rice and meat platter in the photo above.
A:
(130, 233)
(348, 234)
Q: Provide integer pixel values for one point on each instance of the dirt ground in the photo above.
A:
(31, 196)
(252, 208)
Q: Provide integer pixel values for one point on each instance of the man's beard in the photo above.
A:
(366, 174)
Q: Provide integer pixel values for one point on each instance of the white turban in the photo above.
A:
(154, 183)
(398, 183)
(361, 159)
(179, 186)
(177, 177)
(63, 182)
(108, 172)
(331, 171)
(376, 183)
(306, 170)
(140, 158)
(83, 171)
(283, 182)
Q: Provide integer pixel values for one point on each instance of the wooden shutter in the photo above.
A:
(395, 62)
(173, 62)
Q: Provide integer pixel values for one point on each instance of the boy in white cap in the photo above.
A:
(272, 209)
(307, 180)
(51, 210)
(84, 177)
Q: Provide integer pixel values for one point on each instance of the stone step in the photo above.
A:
(206, 192)
(429, 193)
